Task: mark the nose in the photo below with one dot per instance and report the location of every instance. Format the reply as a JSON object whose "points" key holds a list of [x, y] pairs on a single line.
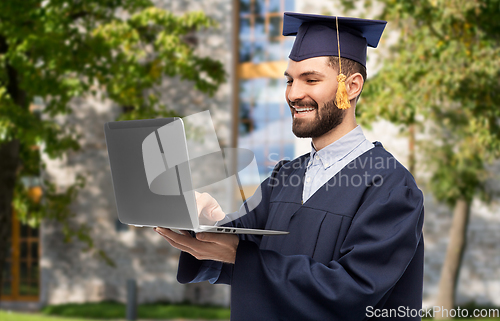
{"points": [[295, 92]]}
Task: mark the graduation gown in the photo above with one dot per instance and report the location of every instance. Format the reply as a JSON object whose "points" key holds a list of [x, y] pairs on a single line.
{"points": [[355, 246]]}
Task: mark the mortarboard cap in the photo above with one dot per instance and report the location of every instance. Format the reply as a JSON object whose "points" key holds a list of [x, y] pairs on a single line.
{"points": [[317, 36]]}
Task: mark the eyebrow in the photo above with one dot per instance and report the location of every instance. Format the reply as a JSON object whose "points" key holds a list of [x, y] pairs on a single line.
{"points": [[307, 73]]}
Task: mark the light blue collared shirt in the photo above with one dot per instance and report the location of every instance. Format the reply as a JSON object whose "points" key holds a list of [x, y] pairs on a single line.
{"points": [[327, 162]]}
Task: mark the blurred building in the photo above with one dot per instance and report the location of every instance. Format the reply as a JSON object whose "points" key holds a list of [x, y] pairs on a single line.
{"points": [[249, 111]]}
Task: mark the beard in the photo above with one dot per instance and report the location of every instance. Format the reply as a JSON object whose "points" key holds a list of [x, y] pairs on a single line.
{"points": [[327, 118]]}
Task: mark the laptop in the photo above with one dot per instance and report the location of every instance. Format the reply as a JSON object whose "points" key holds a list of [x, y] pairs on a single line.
{"points": [[151, 176]]}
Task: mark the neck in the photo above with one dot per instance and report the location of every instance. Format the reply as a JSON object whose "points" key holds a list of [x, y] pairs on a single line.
{"points": [[335, 134]]}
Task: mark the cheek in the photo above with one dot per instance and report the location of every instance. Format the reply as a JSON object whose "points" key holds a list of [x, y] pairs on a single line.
{"points": [[321, 98], [326, 93]]}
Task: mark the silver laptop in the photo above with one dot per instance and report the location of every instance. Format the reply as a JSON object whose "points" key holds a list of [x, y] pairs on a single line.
{"points": [[151, 175]]}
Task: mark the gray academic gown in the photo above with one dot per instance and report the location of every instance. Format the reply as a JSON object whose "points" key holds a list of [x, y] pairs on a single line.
{"points": [[355, 247]]}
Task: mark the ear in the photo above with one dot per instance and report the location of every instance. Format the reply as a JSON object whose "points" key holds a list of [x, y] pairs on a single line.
{"points": [[354, 86]]}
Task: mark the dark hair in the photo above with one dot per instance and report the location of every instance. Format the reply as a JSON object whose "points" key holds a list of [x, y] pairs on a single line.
{"points": [[349, 67]]}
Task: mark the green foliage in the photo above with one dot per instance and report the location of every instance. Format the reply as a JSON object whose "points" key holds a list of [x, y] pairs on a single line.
{"points": [[442, 76], [54, 51]]}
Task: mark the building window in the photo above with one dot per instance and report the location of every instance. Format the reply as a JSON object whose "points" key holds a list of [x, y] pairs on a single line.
{"points": [[260, 30], [264, 124], [21, 272]]}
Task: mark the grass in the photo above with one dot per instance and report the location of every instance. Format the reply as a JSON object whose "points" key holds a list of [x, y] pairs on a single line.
{"points": [[113, 310], [14, 316]]}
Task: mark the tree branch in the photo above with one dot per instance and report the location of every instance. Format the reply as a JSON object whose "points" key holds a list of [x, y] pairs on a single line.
{"points": [[4, 47], [17, 95]]}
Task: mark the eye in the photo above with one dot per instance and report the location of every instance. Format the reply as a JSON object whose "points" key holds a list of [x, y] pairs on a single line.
{"points": [[289, 81], [312, 80]]}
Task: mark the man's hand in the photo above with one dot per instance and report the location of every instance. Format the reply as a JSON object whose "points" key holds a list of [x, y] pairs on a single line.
{"points": [[206, 246], [209, 211]]}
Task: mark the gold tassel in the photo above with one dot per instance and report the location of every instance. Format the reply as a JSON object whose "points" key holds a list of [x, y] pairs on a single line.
{"points": [[341, 96]]}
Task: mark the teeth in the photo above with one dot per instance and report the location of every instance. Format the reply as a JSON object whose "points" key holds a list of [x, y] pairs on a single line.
{"points": [[304, 109]]}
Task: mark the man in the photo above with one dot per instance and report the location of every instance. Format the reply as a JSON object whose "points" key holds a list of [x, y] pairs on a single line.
{"points": [[355, 248]]}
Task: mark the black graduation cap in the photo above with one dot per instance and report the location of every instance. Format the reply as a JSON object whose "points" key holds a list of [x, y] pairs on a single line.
{"points": [[317, 36]]}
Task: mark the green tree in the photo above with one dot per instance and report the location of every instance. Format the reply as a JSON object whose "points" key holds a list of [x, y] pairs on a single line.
{"points": [[441, 78], [60, 49]]}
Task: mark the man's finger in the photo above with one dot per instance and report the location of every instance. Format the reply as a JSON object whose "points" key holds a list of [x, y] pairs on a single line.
{"points": [[180, 246], [187, 241], [203, 202], [208, 207], [183, 238], [217, 214], [218, 238], [209, 237], [200, 253]]}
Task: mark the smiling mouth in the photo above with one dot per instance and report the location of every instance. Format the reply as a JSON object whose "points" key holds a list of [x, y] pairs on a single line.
{"points": [[303, 110]]}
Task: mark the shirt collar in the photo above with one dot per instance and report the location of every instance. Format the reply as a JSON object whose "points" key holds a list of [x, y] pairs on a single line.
{"points": [[337, 150]]}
